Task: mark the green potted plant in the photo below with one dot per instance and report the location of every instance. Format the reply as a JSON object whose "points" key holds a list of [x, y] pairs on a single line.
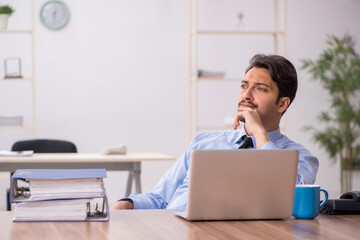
{"points": [[5, 13], [338, 71]]}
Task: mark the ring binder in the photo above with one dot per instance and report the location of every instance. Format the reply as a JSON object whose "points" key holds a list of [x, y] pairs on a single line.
{"points": [[59, 195], [98, 213]]}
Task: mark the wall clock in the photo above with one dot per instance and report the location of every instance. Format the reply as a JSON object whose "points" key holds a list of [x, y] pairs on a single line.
{"points": [[54, 14]]}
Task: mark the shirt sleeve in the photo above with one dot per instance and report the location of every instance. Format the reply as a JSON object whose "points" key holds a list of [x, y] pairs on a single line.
{"points": [[308, 164], [171, 184], [161, 194]]}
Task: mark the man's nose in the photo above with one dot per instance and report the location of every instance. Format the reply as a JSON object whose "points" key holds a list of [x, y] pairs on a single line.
{"points": [[247, 94]]}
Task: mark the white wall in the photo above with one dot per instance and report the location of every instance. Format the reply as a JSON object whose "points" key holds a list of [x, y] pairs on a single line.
{"points": [[117, 74], [308, 23]]}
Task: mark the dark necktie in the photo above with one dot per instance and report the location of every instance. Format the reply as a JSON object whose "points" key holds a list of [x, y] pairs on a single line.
{"points": [[246, 143]]}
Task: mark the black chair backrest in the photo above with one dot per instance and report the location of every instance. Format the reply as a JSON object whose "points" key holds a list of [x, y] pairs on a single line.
{"points": [[45, 146]]}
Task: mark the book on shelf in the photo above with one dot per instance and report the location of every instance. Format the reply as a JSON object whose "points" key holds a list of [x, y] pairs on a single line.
{"points": [[59, 195], [11, 121], [210, 74]]}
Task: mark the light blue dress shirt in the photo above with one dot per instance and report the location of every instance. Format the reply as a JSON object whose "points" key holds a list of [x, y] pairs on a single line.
{"points": [[172, 190]]}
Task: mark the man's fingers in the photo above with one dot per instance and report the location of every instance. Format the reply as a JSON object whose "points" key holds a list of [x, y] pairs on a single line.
{"points": [[235, 125], [238, 117]]}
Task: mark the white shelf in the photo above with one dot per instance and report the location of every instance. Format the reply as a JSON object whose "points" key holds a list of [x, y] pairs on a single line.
{"points": [[10, 31], [16, 79], [219, 79], [16, 128], [213, 127], [236, 32]]}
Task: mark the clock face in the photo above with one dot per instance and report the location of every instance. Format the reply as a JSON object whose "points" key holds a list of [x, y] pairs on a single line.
{"points": [[54, 14]]}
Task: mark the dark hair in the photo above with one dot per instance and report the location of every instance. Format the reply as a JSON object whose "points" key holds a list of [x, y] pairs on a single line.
{"points": [[281, 71]]}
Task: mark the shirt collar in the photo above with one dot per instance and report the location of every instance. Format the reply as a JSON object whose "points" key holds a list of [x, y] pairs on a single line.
{"points": [[273, 135]]}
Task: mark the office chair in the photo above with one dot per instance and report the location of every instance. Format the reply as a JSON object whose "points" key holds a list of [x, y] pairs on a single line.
{"points": [[45, 146], [41, 146]]}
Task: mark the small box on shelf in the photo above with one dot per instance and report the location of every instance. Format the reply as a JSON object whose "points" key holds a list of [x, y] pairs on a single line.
{"points": [[12, 68]]}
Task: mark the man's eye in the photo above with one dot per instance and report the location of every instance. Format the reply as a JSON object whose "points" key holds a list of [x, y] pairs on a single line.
{"points": [[243, 86], [261, 89]]}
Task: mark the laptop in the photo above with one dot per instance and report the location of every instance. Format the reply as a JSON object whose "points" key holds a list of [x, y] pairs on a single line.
{"points": [[241, 184]]}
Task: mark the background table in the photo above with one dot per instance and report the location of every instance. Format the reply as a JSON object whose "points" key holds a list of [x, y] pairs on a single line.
{"points": [[163, 224], [126, 162]]}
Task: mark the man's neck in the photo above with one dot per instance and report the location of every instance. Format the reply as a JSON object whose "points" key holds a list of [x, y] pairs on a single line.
{"points": [[270, 126]]}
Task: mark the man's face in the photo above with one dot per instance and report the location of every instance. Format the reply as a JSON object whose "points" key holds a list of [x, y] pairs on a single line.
{"points": [[259, 92]]}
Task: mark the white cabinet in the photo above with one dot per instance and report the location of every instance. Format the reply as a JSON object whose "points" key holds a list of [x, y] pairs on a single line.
{"points": [[228, 43]]}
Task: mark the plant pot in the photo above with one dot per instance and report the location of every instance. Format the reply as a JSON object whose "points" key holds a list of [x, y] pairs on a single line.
{"points": [[3, 21]]}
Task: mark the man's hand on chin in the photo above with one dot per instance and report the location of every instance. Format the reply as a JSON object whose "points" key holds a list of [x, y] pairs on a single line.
{"points": [[121, 205], [250, 117], [253, 125]]}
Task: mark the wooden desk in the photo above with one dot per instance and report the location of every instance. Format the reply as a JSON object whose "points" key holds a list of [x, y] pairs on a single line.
{"points": [[128, 162], [162, 224]]}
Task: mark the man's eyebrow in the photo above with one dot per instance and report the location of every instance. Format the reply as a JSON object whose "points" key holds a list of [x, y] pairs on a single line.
{"points": [[262, 84], [256, 83]]}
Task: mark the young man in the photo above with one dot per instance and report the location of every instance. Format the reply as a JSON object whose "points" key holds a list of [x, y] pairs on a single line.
{"points": [[267, 90]]}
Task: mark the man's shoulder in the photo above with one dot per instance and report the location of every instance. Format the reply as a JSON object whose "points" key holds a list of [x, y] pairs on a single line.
{"points": [[225, 135], [211, 134], [286, 143]]}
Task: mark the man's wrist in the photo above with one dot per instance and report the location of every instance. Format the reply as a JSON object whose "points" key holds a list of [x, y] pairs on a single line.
{"points": [[126, 199], [261, 138], [125, 203]]}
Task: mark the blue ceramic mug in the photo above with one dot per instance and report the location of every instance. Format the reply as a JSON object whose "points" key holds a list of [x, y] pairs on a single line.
{"points": [[307, 201]]}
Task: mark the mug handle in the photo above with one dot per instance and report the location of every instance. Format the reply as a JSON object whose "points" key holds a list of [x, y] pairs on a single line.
{"points": [[326, 198]]}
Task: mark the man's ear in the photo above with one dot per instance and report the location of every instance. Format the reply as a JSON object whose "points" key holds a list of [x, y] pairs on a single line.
{"points": [[283, 104]]}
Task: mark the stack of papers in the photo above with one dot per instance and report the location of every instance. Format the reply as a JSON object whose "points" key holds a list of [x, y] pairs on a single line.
{"points": [[16, 153], [59, 195], [43, 189]]}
